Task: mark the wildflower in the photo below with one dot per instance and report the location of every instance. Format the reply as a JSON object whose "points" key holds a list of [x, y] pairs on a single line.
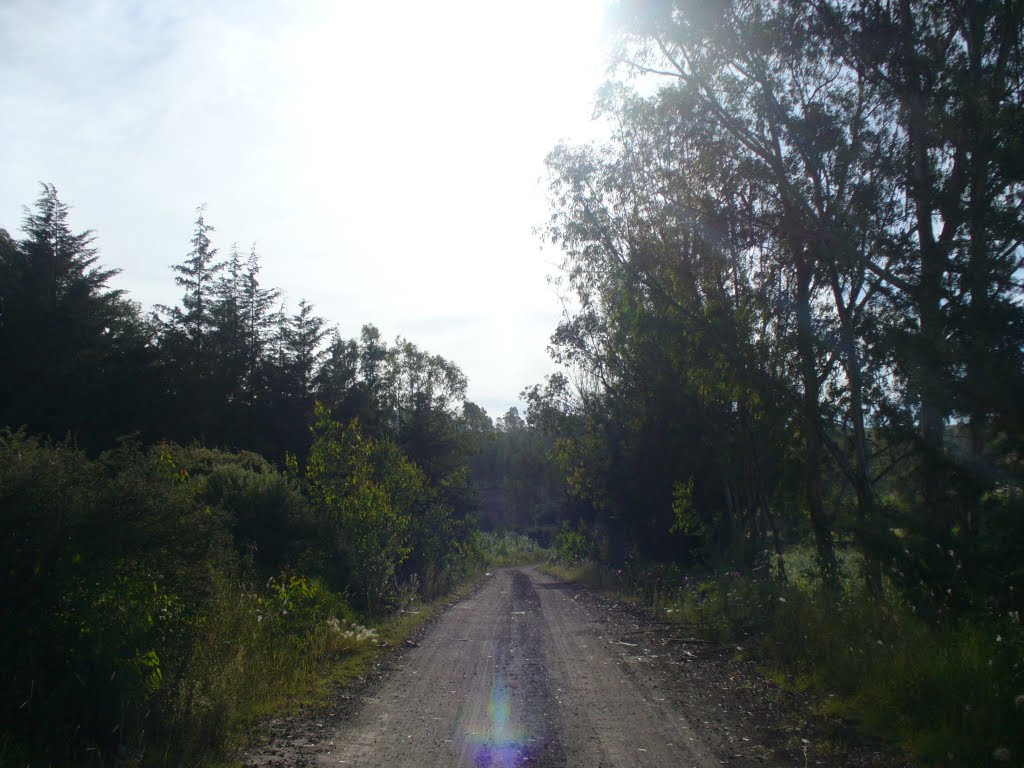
{"points": [[1018, 701], [782, 599], [999, 638], [1001, 755]]}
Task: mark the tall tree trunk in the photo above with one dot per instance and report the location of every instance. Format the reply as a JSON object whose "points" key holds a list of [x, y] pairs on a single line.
{"points": [[929, 288], [866, 510], [821, 523], [979, 266]]}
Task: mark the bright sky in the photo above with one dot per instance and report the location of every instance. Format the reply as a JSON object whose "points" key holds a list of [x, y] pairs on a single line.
{"points": [[386, 157]]}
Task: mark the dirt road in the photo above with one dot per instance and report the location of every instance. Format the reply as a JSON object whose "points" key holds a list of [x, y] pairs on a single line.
{"points": [[531, 671]]}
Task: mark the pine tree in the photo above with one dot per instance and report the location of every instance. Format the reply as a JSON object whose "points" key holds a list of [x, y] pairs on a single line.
{"points": [[68, 341], [303, 334], [197, 275]]}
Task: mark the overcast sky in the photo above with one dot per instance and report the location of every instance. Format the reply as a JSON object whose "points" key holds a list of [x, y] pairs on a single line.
{"points": [[386, 157]]}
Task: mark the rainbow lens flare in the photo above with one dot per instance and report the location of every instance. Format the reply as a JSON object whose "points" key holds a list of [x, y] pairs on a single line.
{"points": [[498, 743]]}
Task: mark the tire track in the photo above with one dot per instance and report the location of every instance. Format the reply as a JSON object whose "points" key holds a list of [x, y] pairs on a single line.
{"points": [[521, 673]]}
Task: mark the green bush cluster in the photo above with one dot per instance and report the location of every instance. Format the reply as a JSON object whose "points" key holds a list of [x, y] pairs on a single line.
{"points": [[379, 508], [159, 599], [571, 545]]}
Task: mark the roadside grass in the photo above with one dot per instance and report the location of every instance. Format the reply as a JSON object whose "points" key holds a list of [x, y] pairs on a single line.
{"points": [[949, 692], [587, 574]]}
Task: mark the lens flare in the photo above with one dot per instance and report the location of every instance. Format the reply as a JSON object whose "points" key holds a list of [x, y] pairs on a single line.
{"points": [[496, 743]]}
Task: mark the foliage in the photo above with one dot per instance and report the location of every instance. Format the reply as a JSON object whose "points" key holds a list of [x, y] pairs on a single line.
{"points": [[507, 548], [155, 596], [571, 546], [361, 510], [66, 338], [771, 298], [108, 568]]}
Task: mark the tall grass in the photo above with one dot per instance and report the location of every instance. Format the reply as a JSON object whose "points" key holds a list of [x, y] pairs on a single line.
{"points": [[271, 654], [255, 653]]}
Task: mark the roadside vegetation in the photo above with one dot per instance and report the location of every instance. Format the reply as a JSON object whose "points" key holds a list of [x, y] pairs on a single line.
{"points": [[167, 598], [787, 411], [944, 689]]}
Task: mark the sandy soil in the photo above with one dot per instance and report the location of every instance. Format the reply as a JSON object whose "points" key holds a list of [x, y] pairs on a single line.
{"points": [[531, 671]]}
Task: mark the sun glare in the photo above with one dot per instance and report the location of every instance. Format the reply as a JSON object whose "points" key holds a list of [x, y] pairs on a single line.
{"points": [[445, 110]]}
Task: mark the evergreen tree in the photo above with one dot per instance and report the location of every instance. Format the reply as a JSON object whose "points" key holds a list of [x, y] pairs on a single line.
{"points": [[260, 320], [302, 335], [193, 320], [74, 351]]}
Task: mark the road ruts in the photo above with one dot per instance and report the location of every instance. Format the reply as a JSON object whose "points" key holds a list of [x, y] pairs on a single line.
{"points": [[519, 674]]}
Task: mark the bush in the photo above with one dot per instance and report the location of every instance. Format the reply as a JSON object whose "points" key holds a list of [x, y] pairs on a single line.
{"points": [[159, 600], [571, 545], [106, 569], [255, 648]]}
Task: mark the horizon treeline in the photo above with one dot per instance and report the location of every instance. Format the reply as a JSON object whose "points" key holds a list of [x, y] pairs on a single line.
{"points": [[228, 365]]}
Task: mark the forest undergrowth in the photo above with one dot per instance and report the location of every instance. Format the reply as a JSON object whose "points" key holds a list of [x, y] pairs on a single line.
{"points": [[170, 599], [948, 691]]}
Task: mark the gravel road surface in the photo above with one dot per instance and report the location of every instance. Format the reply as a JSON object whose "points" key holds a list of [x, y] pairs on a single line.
{"points": [[529, 671]]}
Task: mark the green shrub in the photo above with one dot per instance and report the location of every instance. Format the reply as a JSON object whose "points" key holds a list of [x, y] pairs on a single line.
{"points": [[255, 649], [106, 569], [159, 601], [571, 545]]}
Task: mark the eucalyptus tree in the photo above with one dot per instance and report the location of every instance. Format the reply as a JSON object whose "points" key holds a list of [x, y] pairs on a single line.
{"points": [[948, 79], [674, 230], [790, 167]]}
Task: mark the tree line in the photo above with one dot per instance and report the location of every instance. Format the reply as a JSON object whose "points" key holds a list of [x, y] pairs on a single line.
{"points": [[794, 274], [201, 506], [229, 364]]}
